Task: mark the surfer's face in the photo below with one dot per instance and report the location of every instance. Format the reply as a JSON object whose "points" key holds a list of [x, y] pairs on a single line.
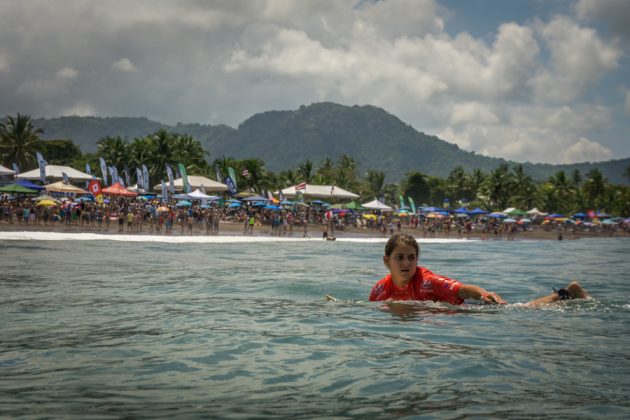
{"points": [[402, 263]]}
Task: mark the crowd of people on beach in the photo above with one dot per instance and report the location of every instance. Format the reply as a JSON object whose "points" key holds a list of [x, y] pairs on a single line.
{"points": [[135, 215]]}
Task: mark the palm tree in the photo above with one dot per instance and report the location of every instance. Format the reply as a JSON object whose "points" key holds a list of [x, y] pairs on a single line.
{"points": [[305, 171], [416, 186], [161, 150], [498, 186], [375, 183], [18, 140], [326, 172], [114, 150], [524, 188], [594, 187], [457, 184], [256, 179], [189, 151], [475, 183]]}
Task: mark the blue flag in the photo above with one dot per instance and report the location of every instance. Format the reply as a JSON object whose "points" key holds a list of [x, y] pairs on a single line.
{"points": [[169, 172], [164, 193], [145, 177]]}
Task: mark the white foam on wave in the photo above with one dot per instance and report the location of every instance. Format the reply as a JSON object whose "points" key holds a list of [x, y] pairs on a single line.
{"points": [[64, 236]]}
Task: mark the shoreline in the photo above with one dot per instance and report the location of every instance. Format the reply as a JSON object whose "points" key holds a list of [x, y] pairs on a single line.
{"points": [[314, 232]]}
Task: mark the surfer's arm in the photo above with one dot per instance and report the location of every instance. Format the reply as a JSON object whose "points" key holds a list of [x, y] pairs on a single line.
{"points": [[470, 291]]}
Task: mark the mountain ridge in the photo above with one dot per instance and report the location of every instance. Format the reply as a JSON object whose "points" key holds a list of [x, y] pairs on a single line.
{"points": [[375, 138]]}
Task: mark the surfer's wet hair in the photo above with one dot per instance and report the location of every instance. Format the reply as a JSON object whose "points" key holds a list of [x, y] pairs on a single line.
{"points": [[401, 239]]}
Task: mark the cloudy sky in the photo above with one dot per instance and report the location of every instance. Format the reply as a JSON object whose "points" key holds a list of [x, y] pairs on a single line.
{"points": [[528, 80]]}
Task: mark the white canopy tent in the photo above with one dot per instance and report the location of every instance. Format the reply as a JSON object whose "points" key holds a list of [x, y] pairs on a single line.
{"points": [[196, 182], [320, 191], [198, 195], [56, 172], [536, 212], [376, 205], [6, 171]]}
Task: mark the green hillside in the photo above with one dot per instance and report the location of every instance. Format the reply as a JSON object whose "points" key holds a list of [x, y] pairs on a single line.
{"points": [[283, 139]]}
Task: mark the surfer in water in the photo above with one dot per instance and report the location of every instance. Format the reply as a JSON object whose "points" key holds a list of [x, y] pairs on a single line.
{"points": [[409, 281]]}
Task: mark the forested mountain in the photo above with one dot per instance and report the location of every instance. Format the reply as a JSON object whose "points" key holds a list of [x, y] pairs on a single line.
{"points": [[283, 139]]}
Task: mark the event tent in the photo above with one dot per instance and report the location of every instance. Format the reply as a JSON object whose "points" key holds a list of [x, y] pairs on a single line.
{"points": [[60, 187], [118, 189], [56, 172], [536, 212], [6, 171], [320, 191], [376, 205], [28, 184], [198, 195], [17, 189], [196, 182]]}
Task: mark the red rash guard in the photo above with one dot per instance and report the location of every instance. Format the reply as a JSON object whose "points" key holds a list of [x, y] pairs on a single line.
{"points": [[425, 285]]}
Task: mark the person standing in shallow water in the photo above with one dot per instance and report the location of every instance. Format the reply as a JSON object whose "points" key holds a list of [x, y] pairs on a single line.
{"points": [[408, 281]]}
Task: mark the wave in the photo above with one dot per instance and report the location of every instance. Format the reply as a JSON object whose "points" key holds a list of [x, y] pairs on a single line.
{"points": [[64, 236]]}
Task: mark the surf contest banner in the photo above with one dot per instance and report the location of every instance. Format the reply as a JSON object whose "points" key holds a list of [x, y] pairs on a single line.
{"points": [[66, 180], [16, 168], [412, 204], [127, 176], [230, 184], [218, 173], [171, 183], [94, 187], [402, 201], [182, 170], [145, 178], [233, 176], [103, 170], [164, 193], [139, 178], [42, 166]]}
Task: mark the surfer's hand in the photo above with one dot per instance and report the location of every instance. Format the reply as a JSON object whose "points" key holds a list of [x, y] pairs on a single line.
{"points": [[491, 297]]}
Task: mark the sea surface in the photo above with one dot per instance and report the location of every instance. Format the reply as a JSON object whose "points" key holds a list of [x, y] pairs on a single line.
{"points": [[231, 327]]}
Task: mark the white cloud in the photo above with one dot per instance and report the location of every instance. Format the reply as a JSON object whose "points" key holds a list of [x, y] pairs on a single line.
{"points": [[472, 112], [124, 65], [79, 109], [66, 73], [586, 150], [578, 59]]}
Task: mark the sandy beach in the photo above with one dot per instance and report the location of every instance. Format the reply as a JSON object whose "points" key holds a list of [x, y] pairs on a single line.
{"points": [[313, 231]]}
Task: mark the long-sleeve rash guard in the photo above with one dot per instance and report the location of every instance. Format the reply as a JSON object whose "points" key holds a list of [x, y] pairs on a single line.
{"points": [[425, 285]]}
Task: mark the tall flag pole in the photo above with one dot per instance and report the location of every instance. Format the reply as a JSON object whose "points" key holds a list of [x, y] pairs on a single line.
{"points": [[103, 170]]}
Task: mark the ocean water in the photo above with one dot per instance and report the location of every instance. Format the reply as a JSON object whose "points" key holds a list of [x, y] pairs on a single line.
{"points": [[238, 328]]}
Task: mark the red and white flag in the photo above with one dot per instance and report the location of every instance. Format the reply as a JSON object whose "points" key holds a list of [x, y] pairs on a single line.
{"points": [[301, 186], [245, 173]]}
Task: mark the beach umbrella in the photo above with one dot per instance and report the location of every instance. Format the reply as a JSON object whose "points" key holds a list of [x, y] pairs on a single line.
{"points": [[46, 203], [233, 200], [517, 212], [431, 209], [461, 210], [524, 220], [44, 197], [271, 207], [256, 198], [234, 205], [287, 203], [184, 203], [579, 215], [477, 211], [163, 208], [509, 220], [608, 222], [497, 215]]}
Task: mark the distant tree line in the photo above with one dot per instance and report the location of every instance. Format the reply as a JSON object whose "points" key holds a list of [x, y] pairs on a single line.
{"points": [[505, 186]]}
